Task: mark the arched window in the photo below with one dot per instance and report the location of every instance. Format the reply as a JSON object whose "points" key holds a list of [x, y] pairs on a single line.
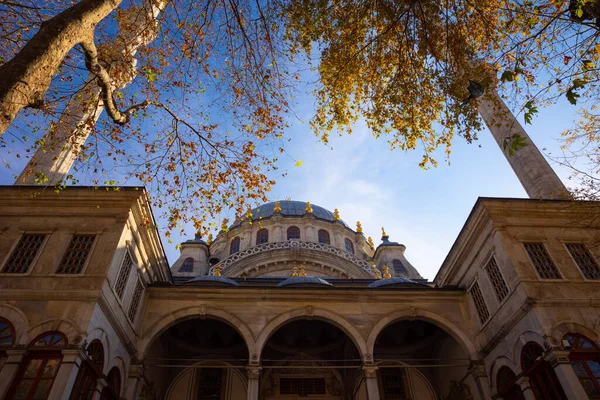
{"points": [[89, 372], [293, 232], [187, 265], [235, 245], [506, 382], [324, 236], [112, 391], [7, 333], [543, 379], [349, 246], [262, 236], [398, 267], [585, 359], [39, 368]]}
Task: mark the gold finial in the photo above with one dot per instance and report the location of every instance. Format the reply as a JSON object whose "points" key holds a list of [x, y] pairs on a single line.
{"points": [[249, 214], [308, 208], [370, 241], [217, 271], [210, 238], [358, 227], [377, 274], [386, 273], [336, 215], [277, 208], [224, 224], [294, 272], [302, 271], [383, 232]]}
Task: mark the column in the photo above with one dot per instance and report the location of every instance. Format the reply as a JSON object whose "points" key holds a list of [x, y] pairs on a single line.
{"points": [[67, 373], [370, 372], [253, 372], [523, 382], [477, 371], [565, 374], [134, 381], [100, 385], [10, 369]]}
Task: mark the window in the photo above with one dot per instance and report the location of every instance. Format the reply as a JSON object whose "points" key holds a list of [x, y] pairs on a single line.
{"points": [[541, 261], [585, 360], [349, 246], [209, 383], [302, 386], [585, 261], [89, 372], [324, 236], [506, 382], [187, 265], [123, 275], [38, 370], [112, 391], [135, 300], [262, 236], [293, 232], [398, 267], [392, 383], [7, 333], [480, 306], [77, 253], [24, 253], [543, 379], [235, 245], [500, 287]]}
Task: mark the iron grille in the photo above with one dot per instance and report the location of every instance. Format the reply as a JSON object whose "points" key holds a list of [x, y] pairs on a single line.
{"points": [[209, 383], [500, 287], [135, 300], [302, 386], [585, 261], [23, 255], [123, 275], [76, 255], [482, 310], [392, 383], [542, 261]]}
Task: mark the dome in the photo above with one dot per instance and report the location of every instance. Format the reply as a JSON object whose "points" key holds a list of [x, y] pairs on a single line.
{"points": [[291, 208], [303, 280]]}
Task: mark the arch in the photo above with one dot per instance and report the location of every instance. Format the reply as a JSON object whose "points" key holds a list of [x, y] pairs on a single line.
{"points": [[560, 329], [293, 232], [506, 384], [522, 339], [314, 313], [19, 321], [7, 333], [118, 363], [50, 339], [398, 267], [96, 354], [323, 236], [69, 328], [115, 383], [262, 236], [234, 247], [236, 371], [349, 246], [187, 265], [498, 364], [414, 313], [169, 319]]}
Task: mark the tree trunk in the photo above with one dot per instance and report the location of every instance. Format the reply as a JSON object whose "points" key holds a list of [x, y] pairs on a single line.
{"points": [[27, 76]]}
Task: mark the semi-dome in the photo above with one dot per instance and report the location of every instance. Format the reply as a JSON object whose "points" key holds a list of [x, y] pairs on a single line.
{"points": [[292, 208]]}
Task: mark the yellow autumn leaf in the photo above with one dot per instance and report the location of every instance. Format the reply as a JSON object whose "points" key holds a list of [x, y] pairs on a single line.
{"points": [[299, 163]]}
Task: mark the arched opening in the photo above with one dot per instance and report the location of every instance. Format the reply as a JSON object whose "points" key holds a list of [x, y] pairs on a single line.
{"points": [[349, 246], [508, 388], [293, 232], [187, 265], [234, 247], [543, 379], [200, 359], [399, 269], [38, 370], [310, 358], [112, 391], [324, 236], [417, 359], [262, 236], [585, 359], [89, 372], [7, 339]]}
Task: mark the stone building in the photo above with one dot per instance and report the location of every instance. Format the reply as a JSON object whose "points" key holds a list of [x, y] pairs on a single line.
{"points": [[292, 303]]}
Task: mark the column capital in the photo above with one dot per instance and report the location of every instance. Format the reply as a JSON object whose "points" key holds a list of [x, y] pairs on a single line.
{"points": [[253, 371], [72, 355], [477, 369], [15, 355], [556, 357], [523, 382], [136, 370], [370, 370]]}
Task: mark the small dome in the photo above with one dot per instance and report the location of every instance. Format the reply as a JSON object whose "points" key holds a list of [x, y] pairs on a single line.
{"points": [[211, 279], [394, 281], [291, 208], [385, 241], [196, 240], [303, 280]]}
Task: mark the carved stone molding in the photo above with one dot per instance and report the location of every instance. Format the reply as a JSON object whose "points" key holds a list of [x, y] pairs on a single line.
{"points": [[370, 371], [253, 371]]}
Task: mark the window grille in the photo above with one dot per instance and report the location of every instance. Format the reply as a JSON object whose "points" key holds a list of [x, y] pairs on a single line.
{"points": [[123, 275], [541, 261], [398, 267], [187, 265], [293, 232], [77, 253], [482, 310], [324, 236], [135, 300], [262, 236], [500, 287], [392, 384], [586, 263], [23, 255], [209, 383], [302, 386], [235, 245], [349, 246]]}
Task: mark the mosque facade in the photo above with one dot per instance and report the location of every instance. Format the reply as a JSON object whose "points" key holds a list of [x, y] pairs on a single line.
{"points": [[290, 302]]}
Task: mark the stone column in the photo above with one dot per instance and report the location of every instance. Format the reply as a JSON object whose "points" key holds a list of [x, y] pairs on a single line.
{"points": [[371, 382], [253, 372], [134, 381], [10, 369], [565, 374], [100, 385], [523, 382], [477, 371], [67, 373]]}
